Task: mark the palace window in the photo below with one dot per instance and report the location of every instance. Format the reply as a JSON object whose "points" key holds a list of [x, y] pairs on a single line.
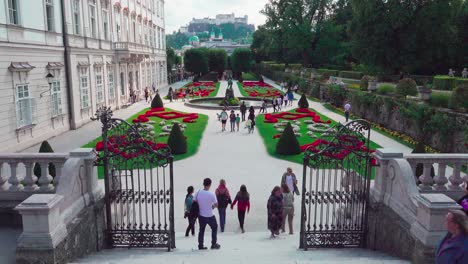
{"points": [[50, 15], [92, 17], [25, 106], [99, 86], [76, 16], [56, 98], [13, 11], [110, 80], [84, 89], [105, 24]]}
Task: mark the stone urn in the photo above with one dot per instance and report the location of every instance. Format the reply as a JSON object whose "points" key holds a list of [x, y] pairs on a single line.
{"points": [[425, 93], [372, 85]]}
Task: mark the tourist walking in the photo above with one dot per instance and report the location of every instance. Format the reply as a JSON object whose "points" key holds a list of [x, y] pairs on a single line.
{"points": [[190, 217], [207, 201], [170, 94], [280, 102], [242, 200], [146, 94], [289, 179], [275, 211], [275, 104], [251, 111], [285, 99], [238, 119], [290, 97], [243, 110], [252, 123], [263, 109], [232, 120], [248, 125], [288, 209], [347, 108], [223, 117], [224, 199], [453, 249]]}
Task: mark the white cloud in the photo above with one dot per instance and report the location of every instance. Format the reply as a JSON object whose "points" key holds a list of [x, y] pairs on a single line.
{"points": [[180, 12]]}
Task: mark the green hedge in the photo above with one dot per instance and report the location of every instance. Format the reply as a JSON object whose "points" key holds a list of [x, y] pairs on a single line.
{"points": [[295, 66], [386, 89], [328, 71], [351, 75], [440, 99], [277, 67], [444, 82], [249, 76]]}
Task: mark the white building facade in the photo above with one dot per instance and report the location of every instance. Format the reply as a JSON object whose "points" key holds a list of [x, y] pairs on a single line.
{"points": [[107, 49]]}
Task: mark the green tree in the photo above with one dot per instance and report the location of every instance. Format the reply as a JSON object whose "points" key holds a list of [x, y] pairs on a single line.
{"points": [[261, 44], [157, 102], [217, 60], [287, 143], [303, 103], [241, 60], [171, 58], [196, 60], [177, 141], [45, 148], [176, 40]]}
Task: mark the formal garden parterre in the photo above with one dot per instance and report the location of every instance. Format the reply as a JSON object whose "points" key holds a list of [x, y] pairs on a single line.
{"points": [[258, 89]]}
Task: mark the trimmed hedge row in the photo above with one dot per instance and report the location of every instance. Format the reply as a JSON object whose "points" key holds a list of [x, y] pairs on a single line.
{"points": [[328, 71], [351, 75], [444, 82]]}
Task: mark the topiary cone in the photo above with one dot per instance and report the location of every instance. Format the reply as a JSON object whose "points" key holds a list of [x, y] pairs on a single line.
{"points": [[303, 103], [177, 141], [45, 148], [288, 144], [157, 102]]}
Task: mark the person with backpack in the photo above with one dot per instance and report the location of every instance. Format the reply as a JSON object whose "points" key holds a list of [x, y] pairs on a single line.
{"points": [[224, 199], [190, 217], [224, 117], [232, 120], [243, 205], [205, 201], [243, 110], [289, 178]]}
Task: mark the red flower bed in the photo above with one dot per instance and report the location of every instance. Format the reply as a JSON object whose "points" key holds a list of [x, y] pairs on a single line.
{"points": [[254, 84], [117, 144], [202, 89], [276, 136], [300, 113], [251, 88], [159, 112]]}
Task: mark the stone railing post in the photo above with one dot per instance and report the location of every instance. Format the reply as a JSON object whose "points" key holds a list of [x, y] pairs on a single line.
{"points": [[441, 179], [426, 179], [43, 227], [4, 185], [383, 156], [432, 209], [14, 180], [455, 179]]}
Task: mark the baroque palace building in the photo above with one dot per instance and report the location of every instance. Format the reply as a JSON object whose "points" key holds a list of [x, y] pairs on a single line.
{"points": [[62, 59]]}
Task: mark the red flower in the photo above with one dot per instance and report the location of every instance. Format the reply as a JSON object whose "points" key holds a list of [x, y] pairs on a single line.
{"points": [[100, 146]]}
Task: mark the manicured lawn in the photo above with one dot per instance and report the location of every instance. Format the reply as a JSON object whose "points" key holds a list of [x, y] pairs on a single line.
{"points": [[267, 131], [193, 132], [261, 90]]}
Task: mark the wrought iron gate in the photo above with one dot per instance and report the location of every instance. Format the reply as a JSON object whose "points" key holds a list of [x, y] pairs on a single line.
{"points": [[335, 190], [138, 178]]}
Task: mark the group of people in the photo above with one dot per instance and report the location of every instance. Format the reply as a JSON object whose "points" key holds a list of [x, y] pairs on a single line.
{"points": [[236, 119], [201, 205]]}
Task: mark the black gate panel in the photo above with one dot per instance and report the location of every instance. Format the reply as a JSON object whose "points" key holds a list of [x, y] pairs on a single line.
{"points": [[335, 191], [138, 177]]}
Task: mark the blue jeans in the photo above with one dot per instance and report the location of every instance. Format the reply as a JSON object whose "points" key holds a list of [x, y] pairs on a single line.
{"points": [[211, 221], [222, 218]]}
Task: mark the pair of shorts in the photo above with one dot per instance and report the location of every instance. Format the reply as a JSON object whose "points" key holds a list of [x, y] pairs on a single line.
{"points": [[223, 121]]}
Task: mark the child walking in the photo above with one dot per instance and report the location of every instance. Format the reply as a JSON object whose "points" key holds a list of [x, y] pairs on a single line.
{"points": [[238, 119], [243, 205]]}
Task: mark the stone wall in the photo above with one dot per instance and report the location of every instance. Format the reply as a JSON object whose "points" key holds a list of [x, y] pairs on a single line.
{"points": [[85, 234], [391, 234]]}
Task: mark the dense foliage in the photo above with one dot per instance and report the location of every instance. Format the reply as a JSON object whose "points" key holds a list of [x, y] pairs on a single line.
{"points": [[287, 143], [177, 141], [372, 37], [241, 60], [303, 103], [196, 60], [217, 60], [172, 59], [157, 102], [406, 86]]}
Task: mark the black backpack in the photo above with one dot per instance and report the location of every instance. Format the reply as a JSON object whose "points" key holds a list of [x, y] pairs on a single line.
{"points": [[223, 200], [195, 208]]}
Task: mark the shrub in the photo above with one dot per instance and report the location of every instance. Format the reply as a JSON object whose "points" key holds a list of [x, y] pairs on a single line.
{"points": [[459, 97], [386, 89], [157, 102], [277, 67], [45, 148], [177, 141], [354, 86], [295, 66], [351, 75], [328, 71], [303, 102], [336, 94], [288, 144], [364, 82], [406, 86], [440, 99], [444, 82], [248, 76]]}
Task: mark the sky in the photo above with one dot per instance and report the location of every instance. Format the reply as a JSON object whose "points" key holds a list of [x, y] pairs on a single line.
{"points": [[180, 12]]}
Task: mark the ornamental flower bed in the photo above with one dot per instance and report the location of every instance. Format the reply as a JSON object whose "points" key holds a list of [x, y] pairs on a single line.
{"points": [[300, 113], [159, 112], [259, 89], [200, 89], [118, 145]]}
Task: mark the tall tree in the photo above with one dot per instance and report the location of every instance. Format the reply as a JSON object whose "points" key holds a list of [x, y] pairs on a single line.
{"points": [[217, 60], [241, 60], [196, 60]]}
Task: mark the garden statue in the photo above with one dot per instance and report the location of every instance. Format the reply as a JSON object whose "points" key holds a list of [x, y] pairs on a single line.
{"points": [[451, 73], [230, 84], [229, 94], [465, 73]]}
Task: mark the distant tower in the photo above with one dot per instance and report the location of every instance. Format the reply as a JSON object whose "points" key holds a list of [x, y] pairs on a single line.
{"points": [[212, 35], [220, 34]]}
